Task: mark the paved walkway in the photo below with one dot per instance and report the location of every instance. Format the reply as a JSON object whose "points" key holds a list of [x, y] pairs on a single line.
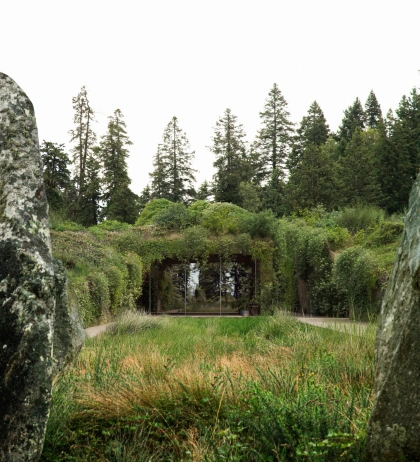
{"points": [[341, 324], [94, 331]]}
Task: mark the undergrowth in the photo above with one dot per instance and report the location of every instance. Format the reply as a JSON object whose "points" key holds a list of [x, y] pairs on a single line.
{"points": [[248, 389]]}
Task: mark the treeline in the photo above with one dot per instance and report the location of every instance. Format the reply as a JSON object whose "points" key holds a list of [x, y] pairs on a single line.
{"points": [[99, 188], [371, 159]]}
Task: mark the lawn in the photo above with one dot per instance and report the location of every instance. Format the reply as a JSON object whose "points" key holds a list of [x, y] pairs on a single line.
{"points": [[234, 389]]}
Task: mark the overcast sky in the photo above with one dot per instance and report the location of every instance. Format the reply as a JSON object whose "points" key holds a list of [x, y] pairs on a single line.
{"points": [[158, 58]]}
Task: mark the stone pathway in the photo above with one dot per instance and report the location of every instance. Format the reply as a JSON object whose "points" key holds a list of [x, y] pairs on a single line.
{"points": [[340, 324], [94, 331]]}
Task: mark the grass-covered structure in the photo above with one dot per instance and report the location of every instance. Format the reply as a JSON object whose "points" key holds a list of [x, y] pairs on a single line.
{"points": [[333, 263]]}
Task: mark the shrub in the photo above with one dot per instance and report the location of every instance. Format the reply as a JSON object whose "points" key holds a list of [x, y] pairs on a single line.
{"points": [[67, 226], [134, 266], [116, 287], [196, 210], [134, 322], [222, 217], [260, 225], [355, 273], [99, 294], [111, 225], [151, 210], [174, 217], [387, 233], [361, 217]]}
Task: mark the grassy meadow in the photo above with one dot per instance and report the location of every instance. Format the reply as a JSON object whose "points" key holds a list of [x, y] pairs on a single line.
{"points": [[242, 389]]}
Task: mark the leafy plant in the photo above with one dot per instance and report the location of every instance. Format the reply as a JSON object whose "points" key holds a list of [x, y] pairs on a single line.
{"points": [[362, 217], [152, 208]]}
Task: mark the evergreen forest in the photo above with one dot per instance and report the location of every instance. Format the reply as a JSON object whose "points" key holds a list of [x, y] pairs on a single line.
{"points": [[321, 211]]}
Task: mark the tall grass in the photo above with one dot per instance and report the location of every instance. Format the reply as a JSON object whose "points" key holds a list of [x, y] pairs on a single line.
{"points": [[250, 389], [361, 217]]}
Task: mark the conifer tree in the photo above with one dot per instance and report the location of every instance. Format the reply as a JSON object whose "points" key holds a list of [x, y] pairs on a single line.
{"points": [[120, 202], [87, 208], [313, 178], [354, 117], [394, 169], [231, 162], [173, 175], [160, 181], [313, 131], [358, 174], [273, 141], [145, 197], [56, 173], [408, 113], [204, 191], [273, 195], [83, 136], [373, 112]]}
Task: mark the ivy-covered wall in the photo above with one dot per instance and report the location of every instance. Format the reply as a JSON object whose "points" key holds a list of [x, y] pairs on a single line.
{"points": [[333, 263]]}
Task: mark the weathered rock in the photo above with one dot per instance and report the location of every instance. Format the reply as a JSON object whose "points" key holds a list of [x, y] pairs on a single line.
{"points": [[69, 335], [394, 427], [26, 282]]}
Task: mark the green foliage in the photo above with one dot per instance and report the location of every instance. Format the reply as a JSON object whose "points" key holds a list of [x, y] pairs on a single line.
{"points": [[196, 210], [173, 175], [56, 173], [99, 293], [387, 232], [66, 226], [259, 225], [274, 138], [116, 286], [135, 322], [215, 389], [104, 280], [222, 217], [174, 217], [111, 225], [232, 166], [250, 198], [361, 217], [152, 208], [355, 272]]}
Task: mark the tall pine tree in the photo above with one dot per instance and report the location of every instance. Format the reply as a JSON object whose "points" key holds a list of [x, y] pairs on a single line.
{"points": [[358, 169], [373, 112], [313, 131], [394, 169], [82, 136], [273, 141], [408, 114], [120, 202], [231, 162], [354, 117], [56, 173], [173, 175]]}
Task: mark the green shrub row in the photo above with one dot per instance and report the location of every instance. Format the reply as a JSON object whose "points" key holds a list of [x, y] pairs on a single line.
{"points": [[104, 280]]}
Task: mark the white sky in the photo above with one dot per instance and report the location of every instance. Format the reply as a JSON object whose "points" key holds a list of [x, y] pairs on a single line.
{"points": [[159, 58]]}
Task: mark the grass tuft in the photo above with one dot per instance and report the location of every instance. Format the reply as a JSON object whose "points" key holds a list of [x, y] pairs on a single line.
{"points": [[134, 322]]}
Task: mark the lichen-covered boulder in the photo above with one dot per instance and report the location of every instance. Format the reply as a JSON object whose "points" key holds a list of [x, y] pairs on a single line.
{"points": [[26, 282], [69, 335], [394, 427]]}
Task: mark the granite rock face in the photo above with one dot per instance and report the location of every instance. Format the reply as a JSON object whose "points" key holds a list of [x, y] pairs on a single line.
{"points": [[26, 282], [394, 427], [69, 335]]}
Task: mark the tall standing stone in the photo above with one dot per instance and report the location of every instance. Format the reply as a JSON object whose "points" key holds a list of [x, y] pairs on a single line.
{"points": [[394, 427], [26, 282]]}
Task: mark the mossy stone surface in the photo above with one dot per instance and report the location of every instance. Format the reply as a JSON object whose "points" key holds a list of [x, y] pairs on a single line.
{"points": [[26, 282], [394, 427]]}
